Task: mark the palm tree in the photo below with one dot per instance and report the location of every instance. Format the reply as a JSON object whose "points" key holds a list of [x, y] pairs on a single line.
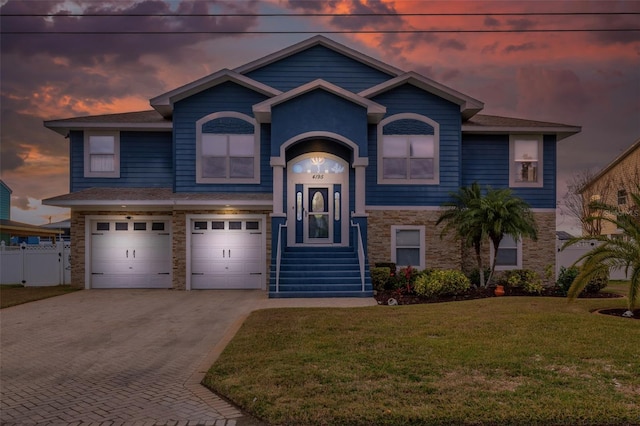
{"points": [[613, 252], [505, 214], [474, 218], [462, 218]]}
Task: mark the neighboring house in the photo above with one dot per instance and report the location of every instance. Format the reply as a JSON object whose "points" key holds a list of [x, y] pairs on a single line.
{"points": [[18, 232], [295, 173], [613, 184]]}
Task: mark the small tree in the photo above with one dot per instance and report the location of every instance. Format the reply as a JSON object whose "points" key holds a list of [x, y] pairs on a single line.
{"points": [[580, 194], [613, 252], [461, 217], [475, 217], [505, 214]]}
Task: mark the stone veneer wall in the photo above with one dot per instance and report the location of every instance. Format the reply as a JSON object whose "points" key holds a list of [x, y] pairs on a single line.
{"points": [[536, 255], [178, 241], [440, 253]]}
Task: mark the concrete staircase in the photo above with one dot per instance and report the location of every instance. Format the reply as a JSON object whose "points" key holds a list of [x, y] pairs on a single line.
{"points": [[319, 272]]}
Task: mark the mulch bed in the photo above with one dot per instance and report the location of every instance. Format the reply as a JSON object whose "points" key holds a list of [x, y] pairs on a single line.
{"points": [[402, 297]]}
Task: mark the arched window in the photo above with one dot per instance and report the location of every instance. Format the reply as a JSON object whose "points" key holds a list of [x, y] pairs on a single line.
{"points": [[227, 149], [408, 150]]}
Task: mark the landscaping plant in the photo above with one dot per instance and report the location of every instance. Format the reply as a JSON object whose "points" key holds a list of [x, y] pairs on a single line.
{"points": [[617, 252], [442, 283]]}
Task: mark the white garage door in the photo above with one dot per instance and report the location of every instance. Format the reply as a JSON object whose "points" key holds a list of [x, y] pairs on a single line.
{"points": [[130, 254], [227, 254]]}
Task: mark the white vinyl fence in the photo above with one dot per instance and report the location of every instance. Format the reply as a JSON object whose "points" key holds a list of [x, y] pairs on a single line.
{"points": [[572, 253], [35, 265]]}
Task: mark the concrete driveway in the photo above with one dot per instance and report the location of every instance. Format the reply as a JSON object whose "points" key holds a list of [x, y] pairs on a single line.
{"points": [[113, 357], [134, 357]]}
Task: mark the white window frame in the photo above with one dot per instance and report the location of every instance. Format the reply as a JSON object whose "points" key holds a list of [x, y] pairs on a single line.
{"points": [[513, 169], [256, 148], [115, 173], [436, 150], [394, 246], [518, 264]]}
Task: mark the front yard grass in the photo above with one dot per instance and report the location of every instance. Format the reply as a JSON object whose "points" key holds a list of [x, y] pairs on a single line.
{"points": [[510, 360], [11, 295]]}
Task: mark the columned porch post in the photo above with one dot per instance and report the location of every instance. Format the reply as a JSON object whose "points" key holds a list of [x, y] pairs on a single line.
{"points": [[278, 165], [360, 166]]}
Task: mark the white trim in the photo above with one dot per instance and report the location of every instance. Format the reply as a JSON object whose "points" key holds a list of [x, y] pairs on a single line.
{"points": [[422, 248], [164, 103], [322, 41], [399, 208], [375, 111], [189, 218], [468, 105], [562, 132], [357, 160], [436, 150], [161, 203], [539, 183], [116, 155], [64, 128], [518, 264], [256, 148]]}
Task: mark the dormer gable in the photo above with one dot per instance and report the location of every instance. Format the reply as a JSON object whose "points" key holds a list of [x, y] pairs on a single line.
{"points": [[375, 111], [468, 105], [319, 41], [164, 103]]}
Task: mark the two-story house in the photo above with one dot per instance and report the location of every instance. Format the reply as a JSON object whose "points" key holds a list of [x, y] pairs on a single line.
{"points": [[613, 184], [295, 173]]}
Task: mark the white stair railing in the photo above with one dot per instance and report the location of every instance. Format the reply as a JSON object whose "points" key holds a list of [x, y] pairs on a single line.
{"points": [[279, 255], [360, 252]]}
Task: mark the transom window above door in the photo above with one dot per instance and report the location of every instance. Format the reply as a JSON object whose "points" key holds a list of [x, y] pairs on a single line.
{"points": [[228, 149]]}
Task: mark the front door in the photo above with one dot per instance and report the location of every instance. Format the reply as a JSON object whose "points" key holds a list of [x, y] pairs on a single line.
{"points": [[318, 220], [318, 200]]}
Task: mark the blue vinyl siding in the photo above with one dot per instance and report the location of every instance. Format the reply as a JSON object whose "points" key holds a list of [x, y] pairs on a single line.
{"points": [[318, 110], [145, 161], [319, 62], [485, 159], [224, 97], [5, 202], [405, 99]]}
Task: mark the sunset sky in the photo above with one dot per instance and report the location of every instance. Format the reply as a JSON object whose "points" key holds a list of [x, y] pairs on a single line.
{"points": [[584, 78]]}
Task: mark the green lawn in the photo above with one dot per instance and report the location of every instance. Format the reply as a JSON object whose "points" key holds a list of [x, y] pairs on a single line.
{"points": [[511, 360], [11, 295]]}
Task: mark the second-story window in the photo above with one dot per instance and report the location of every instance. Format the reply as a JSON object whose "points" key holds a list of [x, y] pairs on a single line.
{"points": [[408, 150], [526, 161], [228, 150], [102, 154], [622, 197]]}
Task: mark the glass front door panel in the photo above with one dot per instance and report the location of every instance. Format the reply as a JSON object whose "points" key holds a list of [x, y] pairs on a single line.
{"points": [[318, 213]]}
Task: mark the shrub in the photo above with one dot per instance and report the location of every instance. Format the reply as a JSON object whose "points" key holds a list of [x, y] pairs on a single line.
{"points": [[524, 279], [405, 278], [474, 276], [390, 265], [380, 277], [441, 283], [567, 275]]}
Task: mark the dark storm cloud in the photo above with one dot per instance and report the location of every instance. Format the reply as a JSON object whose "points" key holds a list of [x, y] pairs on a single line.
{"points": [[91, 50], [491, 22], [452, 44], [519, 47], [491, 48], [521, 24]]}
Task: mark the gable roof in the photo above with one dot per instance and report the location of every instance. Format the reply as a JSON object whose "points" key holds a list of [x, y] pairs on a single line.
{"points": [[613, 163], [9, 190], [494, 124], [139, 120], [468, 105], [322, 41], [375, 111], [164, 103]]}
